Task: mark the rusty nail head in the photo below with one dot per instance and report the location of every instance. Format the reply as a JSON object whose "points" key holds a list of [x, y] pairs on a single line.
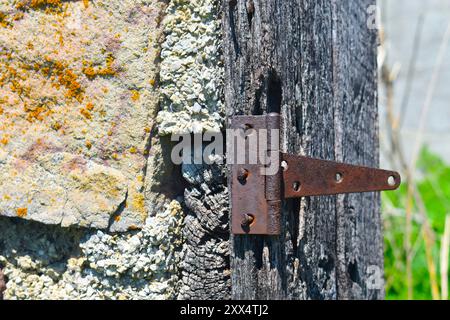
{"points": [[247, 219], [243, 175]]}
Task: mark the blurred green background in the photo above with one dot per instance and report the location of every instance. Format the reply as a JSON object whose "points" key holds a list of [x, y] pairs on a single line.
{"points": [[427, 264], [414, 99]]}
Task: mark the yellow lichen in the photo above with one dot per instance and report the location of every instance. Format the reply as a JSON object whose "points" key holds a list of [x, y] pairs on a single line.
{"points": [[88, 144], [135, 95], [56, 126], [4, 21], [86, 3], [138, 203], [133, 150], [48, 5], [17, 74], [86, 114]]}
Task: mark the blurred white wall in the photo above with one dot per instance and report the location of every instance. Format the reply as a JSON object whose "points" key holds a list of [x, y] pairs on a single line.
{"points": [[400, 19]]}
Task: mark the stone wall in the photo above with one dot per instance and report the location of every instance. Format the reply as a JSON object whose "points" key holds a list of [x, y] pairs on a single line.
{"points": [[90, 205]]}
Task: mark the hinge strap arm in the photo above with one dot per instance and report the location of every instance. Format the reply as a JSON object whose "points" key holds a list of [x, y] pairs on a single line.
{"points": [[303, 176]]}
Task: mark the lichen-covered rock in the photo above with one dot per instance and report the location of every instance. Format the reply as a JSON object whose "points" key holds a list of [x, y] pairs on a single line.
{"points": [[2, 284], [77, 105], [61, 188], [78, 148], [191, 68], [56, 263]]}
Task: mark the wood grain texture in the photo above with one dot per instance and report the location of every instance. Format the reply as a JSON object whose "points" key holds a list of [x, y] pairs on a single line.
{"points": [[314, 61], [205, 257]]}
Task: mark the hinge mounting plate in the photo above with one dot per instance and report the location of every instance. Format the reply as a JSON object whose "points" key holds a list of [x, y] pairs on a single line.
{"points": [[257, 194]]}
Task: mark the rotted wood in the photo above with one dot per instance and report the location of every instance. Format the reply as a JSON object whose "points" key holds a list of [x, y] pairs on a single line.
{"points": [[314, 62]]}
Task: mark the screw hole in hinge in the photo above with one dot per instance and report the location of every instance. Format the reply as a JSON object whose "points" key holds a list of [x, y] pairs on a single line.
{"points": [[338, 177], [242, 176], [247, 220], [391, 181], [247, 130], [296, 186]]}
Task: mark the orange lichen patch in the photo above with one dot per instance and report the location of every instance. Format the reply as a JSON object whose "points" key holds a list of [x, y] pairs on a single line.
{"points": [[147, 129], [4, 141], [152, 82], [36, 112], [86, 3], [90, 106], [38, 100], [22, 212], [86, 114], [69, 79], [92, 72], [135, 95], [88, 144], [49, 5], [117, 218]]}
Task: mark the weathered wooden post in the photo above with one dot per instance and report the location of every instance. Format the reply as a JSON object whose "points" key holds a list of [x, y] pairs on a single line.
{"points": [[314, 62]]}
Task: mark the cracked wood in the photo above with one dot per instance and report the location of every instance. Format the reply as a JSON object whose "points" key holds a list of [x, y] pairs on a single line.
{"points": [[315, 63]]}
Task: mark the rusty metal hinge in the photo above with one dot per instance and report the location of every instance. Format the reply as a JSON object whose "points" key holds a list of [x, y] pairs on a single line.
{"points": [[257, 190]]}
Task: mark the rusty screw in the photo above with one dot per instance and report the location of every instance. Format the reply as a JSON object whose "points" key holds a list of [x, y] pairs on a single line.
{"points": [[247, 219], [242, 175]]}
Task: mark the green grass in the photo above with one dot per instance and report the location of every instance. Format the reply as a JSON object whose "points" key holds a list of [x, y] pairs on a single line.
{"points": [[434, 186]]}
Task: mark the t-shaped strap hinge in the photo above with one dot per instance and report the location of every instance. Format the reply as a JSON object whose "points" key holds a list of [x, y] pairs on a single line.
{"points": [[257, 189]]}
